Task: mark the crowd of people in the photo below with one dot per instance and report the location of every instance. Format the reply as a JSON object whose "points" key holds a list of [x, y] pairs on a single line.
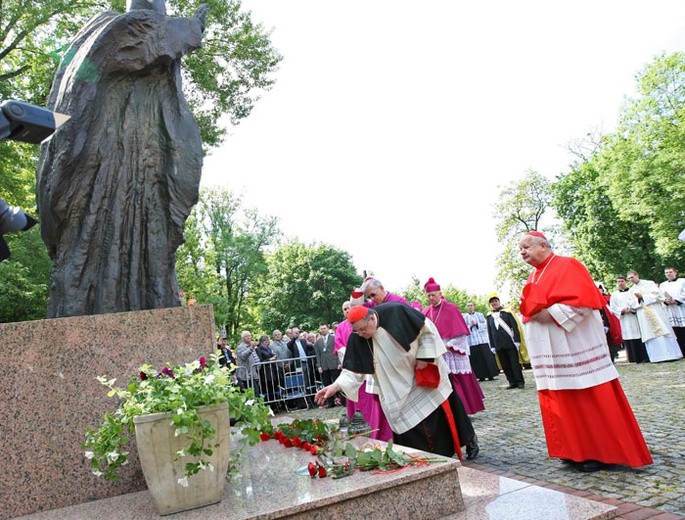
{"points": [[414, 373], [652, 316]]}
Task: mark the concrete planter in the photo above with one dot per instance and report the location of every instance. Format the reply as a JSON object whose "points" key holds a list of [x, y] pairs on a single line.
{"points": [[156, 447]]}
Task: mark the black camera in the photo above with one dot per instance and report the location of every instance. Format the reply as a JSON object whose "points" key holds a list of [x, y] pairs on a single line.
{"points": [[28, 123]]}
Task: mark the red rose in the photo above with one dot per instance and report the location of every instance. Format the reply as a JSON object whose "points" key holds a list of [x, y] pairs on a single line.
{"points": [[322, 472], [297, 441], [314, 450], [287, 443], [278, 435], [306, 446], [311, 467], [264, 436]]}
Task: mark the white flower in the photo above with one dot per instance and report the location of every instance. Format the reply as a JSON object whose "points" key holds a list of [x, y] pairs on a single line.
{"points": [[183, 481], [271, 412], [179, 411], [90, 454], [181, 453], [209, 379], [211, 467], [97, 473], [112, 456], [249, 402]]}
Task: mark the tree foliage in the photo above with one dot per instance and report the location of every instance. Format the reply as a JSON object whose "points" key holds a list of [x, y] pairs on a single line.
{"points": [[225, 77], [522, 206], [224, 256], [623, 204], [305, 285], [24, 278], [416, 292], [606, 243]]}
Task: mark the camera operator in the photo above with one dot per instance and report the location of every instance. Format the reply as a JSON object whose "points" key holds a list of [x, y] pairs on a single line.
{"points": [[12, 219]]}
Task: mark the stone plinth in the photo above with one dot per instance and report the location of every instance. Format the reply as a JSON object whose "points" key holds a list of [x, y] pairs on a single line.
{"points": [[268, 488], [49, 395]]}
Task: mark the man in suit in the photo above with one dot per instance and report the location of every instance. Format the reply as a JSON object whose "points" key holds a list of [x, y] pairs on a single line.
{"points": [[303, 356], [327, 362]]}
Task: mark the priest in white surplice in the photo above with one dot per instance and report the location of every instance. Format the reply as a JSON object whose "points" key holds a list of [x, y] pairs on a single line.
{"points": [[673, 291], [657, 334], [621, 305]]}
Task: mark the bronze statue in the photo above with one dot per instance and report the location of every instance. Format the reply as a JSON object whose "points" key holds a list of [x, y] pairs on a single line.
{"points": [[117, 183]]}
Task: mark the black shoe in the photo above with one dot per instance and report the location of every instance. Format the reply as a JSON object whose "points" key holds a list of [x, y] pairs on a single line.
{"points": [[521, 385], [590, 466], [511, 387], [472, 449], [491, 378]]}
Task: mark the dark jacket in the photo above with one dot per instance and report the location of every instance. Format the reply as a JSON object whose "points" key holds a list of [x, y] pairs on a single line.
{"points": [[499, 337], [295, 352]]}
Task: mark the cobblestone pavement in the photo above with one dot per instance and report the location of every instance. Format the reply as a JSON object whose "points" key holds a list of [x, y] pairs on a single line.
{"points": [[511, 437]]}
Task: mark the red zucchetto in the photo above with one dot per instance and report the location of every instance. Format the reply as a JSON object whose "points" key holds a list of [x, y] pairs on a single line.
{"points": [[536, 233], [357, 313]]}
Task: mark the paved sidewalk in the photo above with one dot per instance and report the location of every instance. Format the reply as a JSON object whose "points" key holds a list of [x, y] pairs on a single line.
{"points": [[513, 443]]}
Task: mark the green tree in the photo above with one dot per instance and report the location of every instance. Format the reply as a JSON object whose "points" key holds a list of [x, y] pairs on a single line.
{"points": [[522, 206], [225, 77], [622, 203], [606, 243], [305, 285], [646, 156], [416, 292], [24, 278], [224, 256]]}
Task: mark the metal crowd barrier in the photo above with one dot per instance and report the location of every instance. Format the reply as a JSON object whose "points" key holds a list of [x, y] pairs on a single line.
{"points": [[290, 383]]}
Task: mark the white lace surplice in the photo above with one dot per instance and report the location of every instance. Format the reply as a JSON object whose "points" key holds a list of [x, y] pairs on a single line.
{"points": [[457, 355]]}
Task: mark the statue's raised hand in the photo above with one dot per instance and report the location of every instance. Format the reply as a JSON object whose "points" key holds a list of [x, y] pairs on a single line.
{"points": [[201, 14]]}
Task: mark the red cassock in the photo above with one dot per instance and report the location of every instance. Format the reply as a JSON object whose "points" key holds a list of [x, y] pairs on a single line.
{"points": [[592, 423]]}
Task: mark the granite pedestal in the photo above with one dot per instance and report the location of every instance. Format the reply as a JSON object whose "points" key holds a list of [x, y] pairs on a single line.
{"points": [[49, 395], [269, 488]]}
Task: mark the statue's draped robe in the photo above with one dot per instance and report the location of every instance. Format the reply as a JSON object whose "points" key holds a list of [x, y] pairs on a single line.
{"points": [[118, 181]]}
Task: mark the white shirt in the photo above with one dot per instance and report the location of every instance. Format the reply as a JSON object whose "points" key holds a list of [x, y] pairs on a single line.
{"points": [[630, 327], [676, 290]]}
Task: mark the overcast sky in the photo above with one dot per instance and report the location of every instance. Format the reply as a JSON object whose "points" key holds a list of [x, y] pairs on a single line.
{"points": [[393, 125]]}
